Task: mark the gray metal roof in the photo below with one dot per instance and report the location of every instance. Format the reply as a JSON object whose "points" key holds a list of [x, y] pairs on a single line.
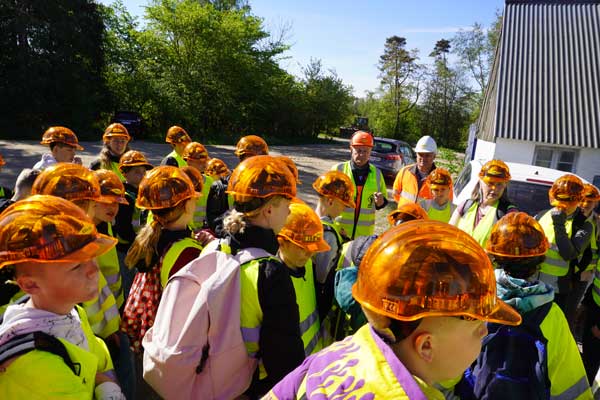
{"points": [[545, 82]]}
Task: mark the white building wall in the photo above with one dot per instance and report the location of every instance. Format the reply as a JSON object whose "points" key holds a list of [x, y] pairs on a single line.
{"points": [[588, 164], [514, 151]]}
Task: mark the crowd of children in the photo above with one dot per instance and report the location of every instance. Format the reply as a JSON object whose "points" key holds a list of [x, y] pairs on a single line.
{"points": [[475, 301]]}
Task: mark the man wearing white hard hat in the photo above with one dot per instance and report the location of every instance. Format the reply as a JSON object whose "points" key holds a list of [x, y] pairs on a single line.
{"points": [[410, 185]]}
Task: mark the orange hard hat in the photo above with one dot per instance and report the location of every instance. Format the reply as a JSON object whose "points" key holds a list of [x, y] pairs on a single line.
{"points": [[362, 138], [60, 134], [494, 171], [336, 185], [304, 228], [194, 150], [439, 178], [566, 191], [69, 181], [261, 177], [292, 167], [49, 229], [251, 145], [517, 235], [177, 134], [111, 186], [590, 193], [216, 166], [164, 187], [2, 162], [429, 269], [115, 130], [195, 176], [407, 212], [134, 158]]}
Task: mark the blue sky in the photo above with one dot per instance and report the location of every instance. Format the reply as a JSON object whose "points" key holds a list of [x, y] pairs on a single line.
{"points": [[349, 36]]}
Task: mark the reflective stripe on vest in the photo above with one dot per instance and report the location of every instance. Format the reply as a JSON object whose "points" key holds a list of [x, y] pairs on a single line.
{"points": [[180, 161], [114, 167], [200, 213], [345, 259], [109, 265], [594, 244], [306, 299], [171, 256], [102, 311], [365, 223], [554, 264], [406, 187], [437, 213], [482, 231]]}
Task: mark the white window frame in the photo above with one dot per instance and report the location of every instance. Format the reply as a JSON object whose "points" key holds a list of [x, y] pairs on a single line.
{"points": [[556, 151]]}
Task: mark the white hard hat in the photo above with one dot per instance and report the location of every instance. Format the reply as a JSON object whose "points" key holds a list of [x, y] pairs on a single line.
{"points": [[426, 145]]}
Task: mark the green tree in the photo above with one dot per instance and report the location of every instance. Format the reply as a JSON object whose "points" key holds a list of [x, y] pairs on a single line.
{"points": [[51, 66], [400, 77]]}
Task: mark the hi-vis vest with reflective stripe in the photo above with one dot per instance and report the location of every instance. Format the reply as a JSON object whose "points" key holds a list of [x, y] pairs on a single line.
{"points": [[39, 374], [365, 224], [594, 243], [173, 254], [180, 161], [200, 213], [437, 213], [406, 187], [114, 167], [102, 311], [482, 231], [554, 263], [252, 314], [109, 265]]}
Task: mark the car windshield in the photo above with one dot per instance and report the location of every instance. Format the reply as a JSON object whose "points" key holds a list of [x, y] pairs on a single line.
{"points": [[529, 197], [383, 147]]}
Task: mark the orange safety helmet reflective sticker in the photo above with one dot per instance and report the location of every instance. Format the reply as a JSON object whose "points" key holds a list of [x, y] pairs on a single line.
{"points": [[407, 212], [261, 177], [69, 181], [115, 130], [195, 151], [134, 158], [439, 178], [517, 235], [2, 162], [429, 269], [251, 145], [164, 187], [60, 134], [111, 186], [195, 176], [362, 138], [216, 166], [566, 191], [336, 185], [292, 167], [590, 193], [495, 171], [177, 134], [304, 228], [49, 229]]}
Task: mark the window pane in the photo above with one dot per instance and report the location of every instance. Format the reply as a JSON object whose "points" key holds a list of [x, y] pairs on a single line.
{"points": [[565, 161], [543, 158], [529, 197]]}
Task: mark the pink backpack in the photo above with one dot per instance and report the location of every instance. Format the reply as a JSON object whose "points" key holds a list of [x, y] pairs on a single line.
{"points": [[195, 348]]}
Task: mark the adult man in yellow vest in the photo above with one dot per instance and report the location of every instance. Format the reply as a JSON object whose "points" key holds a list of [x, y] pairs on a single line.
{"points": [[371, 192], [410, 185], [568, 233]]}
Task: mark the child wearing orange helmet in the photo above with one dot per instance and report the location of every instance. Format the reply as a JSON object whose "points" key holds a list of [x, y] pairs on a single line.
{"points": [[115, 141], [62, 143], [178, 138]]}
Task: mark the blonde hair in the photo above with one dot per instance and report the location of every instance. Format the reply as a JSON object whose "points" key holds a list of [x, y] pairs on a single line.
{"points": [[144, 245], [104, 157], [236, 221]]}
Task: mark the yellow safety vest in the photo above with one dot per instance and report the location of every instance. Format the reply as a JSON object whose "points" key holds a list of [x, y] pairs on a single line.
{"points": [[114, 167], [482, 231], [251, 313], [173, 254], [102, 312], [180, 161], [365, 224], [109, 265], [200, 213], [554, 264], [593, 244], [356, 367], [39, 374], [437, 213]]}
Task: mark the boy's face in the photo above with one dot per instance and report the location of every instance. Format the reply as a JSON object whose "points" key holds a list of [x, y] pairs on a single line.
{"points": [[63, 153], [441, 194], [60, 285], [105, 212], [134, 175], [294, 255], [588, 206], [277, 212], [199, 164], [337, 207]]}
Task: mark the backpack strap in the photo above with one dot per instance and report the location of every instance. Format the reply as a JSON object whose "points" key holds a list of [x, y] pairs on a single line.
{"points": [[465, 206], [38, 340]]}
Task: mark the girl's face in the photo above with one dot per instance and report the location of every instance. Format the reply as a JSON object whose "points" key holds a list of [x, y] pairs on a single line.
{"points": [[117, 145], [441, 194], [277, 212], [588, 206], [105, 212], [199, 164], [491, 191], [134, 175]]}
